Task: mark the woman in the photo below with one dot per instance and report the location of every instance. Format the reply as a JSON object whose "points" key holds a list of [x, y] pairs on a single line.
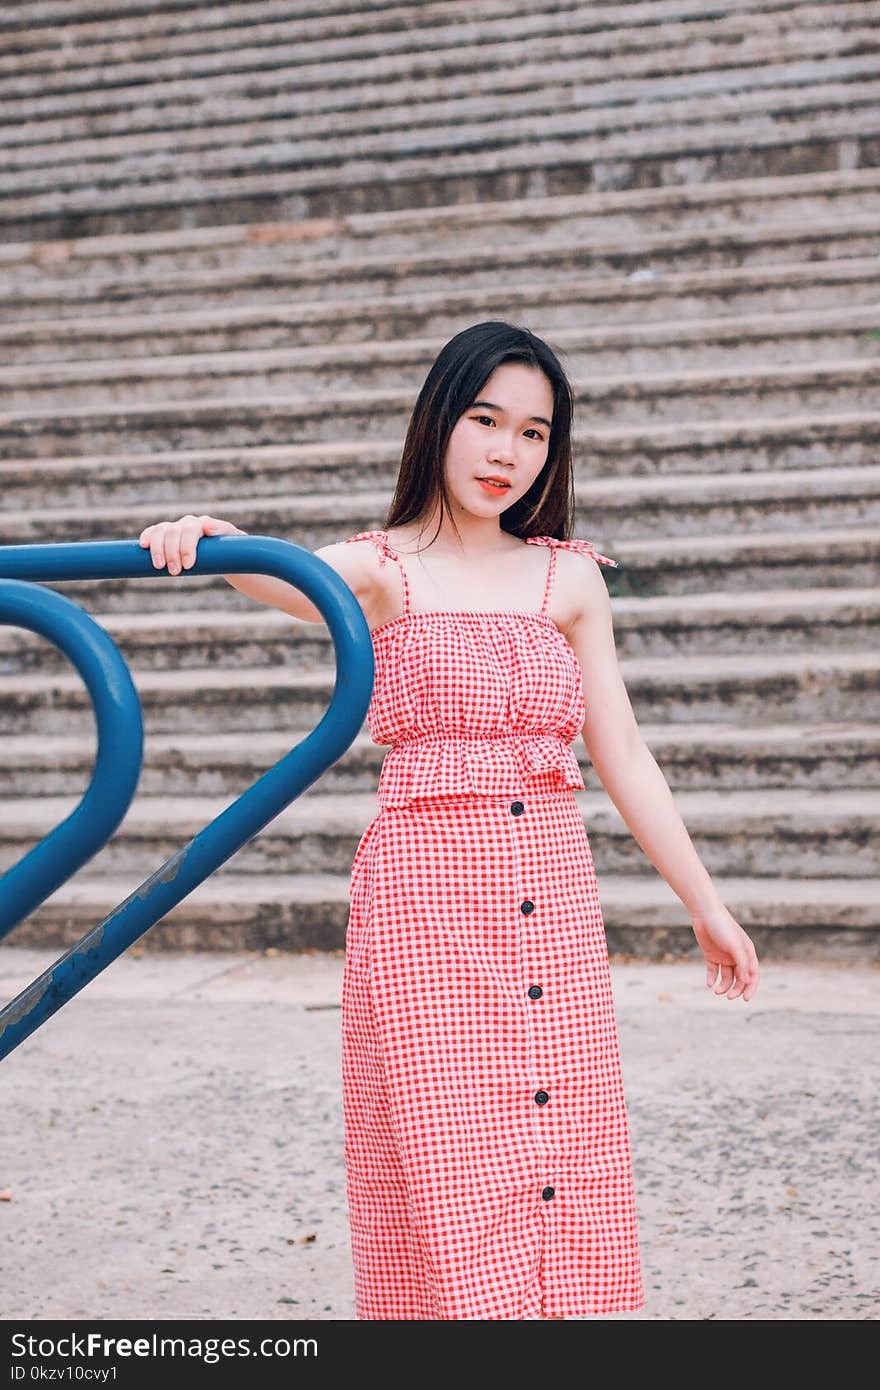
{"points": [[487, 1147]]}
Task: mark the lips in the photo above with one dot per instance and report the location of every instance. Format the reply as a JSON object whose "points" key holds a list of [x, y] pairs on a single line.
{"points": [[499, 483]]}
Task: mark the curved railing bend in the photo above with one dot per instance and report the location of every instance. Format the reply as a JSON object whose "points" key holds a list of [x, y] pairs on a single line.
{"points": [[120, 737], [120, 747]]}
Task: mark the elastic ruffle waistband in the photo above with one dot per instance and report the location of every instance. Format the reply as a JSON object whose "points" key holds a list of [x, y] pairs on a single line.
{"points": [[434, 765]]}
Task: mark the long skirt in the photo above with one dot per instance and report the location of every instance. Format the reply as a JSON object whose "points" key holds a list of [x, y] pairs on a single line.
{"points": [[486, 1141]]}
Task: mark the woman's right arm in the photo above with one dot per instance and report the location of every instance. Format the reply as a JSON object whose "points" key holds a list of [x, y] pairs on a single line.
{"points": [[175, 542]]}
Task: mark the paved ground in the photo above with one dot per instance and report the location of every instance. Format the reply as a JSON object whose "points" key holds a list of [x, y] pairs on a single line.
{"points": [[172, 1142]]}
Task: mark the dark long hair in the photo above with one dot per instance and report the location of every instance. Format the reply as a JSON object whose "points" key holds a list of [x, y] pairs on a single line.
{"points": [[454, 382]]}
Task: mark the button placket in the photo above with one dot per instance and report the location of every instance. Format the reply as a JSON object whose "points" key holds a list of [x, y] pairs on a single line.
{"points": [[534, 993]]}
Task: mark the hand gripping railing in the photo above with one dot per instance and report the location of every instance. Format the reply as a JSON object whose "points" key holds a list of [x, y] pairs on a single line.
{"points": [[120, 744]]}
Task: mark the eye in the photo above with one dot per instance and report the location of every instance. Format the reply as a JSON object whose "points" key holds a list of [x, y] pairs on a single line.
{"points": [[487, 420]]}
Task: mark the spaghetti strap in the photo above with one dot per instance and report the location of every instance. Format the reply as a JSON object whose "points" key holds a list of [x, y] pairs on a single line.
{"points": [[551, 579], [385, 551], [553, 542]]}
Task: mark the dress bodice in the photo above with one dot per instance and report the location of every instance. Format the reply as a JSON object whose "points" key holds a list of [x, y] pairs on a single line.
{"points": [[479, 702]]}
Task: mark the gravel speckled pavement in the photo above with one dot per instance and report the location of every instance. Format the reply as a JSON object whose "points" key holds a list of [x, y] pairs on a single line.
{"points": [[172, 1142]]}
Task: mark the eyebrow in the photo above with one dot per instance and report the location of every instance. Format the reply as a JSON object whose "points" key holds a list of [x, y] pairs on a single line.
{"points": [[539, 419]]}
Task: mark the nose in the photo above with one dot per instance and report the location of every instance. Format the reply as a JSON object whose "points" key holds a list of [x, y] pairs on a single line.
{"points": [[501, 450]]}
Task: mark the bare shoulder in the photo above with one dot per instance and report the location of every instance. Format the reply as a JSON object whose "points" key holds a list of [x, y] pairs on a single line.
{"points": [[610, 726], [579, 590], [359, 564]]}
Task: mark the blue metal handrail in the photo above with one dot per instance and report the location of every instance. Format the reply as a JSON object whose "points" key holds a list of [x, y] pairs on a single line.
{"points": [[244, 818], [120, 747]]}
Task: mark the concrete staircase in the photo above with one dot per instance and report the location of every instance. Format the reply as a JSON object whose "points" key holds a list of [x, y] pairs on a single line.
{"points": [[233, 241]]}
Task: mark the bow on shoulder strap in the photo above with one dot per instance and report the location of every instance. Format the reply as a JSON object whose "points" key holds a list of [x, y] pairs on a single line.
{"points": [[584, 547]]}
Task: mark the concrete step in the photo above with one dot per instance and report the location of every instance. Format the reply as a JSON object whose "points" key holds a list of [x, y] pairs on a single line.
{"points": [[809, 918], [695, 757], [828, 835], [690, 625], [174, 360], [737, 147], [734, 206], [813, 336], [611, 266], [68, 150], [827, 446], [772, 560], [143, 36], [482, 44], [643, 298], [743, 690], [845, 557], [127, 26], [272, 418], [402, 132], [128, 21]]}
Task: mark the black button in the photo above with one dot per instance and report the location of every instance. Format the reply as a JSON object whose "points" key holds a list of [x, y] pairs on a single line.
{"points": [[548, 1193], [541, 1097], [527, 907], [517, 808], [535, 991]]}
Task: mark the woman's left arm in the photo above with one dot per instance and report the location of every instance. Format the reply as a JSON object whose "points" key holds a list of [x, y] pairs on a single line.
{"points": [[630, 774]]}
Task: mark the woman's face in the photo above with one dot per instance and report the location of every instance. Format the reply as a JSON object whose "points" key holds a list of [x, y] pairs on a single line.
{"points": [[505, 434]]}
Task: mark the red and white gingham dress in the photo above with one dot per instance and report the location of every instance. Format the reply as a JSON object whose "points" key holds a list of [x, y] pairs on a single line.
{"points": [[486, 1140]]}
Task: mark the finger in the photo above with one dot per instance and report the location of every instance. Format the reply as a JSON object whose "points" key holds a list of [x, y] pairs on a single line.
{"points": [[743, 971], [189, 541], [739, 985], [747, 968], [746, 976], [156, 542], [751, 978], [726, 979], [172, 549], [173, 539], [216, 526], [711, 973]]}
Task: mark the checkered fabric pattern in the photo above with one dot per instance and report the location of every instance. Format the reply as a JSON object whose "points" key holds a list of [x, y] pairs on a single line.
{"points": [[486, 1141]]}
